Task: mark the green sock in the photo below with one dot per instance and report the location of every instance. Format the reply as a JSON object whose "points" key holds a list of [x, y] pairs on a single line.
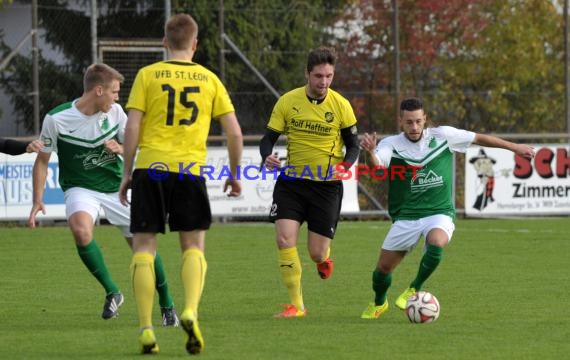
{"points": [[93, 259], [428, 264], [380, 284], [164, 298]]}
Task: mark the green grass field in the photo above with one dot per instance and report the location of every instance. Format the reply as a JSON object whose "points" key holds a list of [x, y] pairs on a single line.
{"points": [[502, 286]]}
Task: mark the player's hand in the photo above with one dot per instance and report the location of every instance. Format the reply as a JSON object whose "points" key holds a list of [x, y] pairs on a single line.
{"points": [[35, 146], [272, 162], [234, 186], [123, 189], [526, 151], [114, 147], [339, 171], [36, 208], [368, 142]]}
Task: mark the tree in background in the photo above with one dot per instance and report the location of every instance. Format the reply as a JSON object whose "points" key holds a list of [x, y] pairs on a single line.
{"points": [[510, 78], [274, 35], [480, 64], [362, 33], [65, 26]]}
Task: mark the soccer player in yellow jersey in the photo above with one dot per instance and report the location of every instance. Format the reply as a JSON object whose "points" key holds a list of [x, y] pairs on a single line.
{"points": [[318, 123], [170, 109]]}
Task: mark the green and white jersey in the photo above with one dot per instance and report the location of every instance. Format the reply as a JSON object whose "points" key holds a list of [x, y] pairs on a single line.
{"points": [[430, 192], [79, 141]]}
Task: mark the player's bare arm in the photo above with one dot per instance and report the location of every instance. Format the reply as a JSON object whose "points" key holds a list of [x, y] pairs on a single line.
{"points": [[523, 150], [39, 175], [368, 143], [234, 136], [132, 131]]}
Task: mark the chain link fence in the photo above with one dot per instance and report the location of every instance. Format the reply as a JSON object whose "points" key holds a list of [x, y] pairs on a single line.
{"points": [[128, 56], [129, 37]]}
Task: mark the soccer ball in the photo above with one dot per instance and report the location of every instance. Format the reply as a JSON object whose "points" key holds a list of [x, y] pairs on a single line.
{"points": [[422, 307]]}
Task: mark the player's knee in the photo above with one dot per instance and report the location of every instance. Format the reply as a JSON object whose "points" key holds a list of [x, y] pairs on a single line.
{"points": [[284, 242], [438, 241], [386, 267], [81, 235], [437, 237]]}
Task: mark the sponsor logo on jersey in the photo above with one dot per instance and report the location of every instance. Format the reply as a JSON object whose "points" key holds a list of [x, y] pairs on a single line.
{"points": [[95, 159], [104, 123], [426, 181]]}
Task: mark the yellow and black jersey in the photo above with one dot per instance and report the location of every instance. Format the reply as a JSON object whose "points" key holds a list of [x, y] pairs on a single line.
{"points": [[179, 99], [314, 141]]}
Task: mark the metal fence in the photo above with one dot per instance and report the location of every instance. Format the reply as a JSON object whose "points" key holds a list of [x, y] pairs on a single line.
{"points": [[74, 21], [374, 70], [128, 56]]}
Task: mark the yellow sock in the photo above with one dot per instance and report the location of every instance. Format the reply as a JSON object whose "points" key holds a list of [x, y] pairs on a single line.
{"points": [[142, 273], [194, 268], [290, 268]]}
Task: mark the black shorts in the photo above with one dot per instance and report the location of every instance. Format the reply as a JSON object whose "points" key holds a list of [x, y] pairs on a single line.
{"points": [[178, 199], [316, 202]]}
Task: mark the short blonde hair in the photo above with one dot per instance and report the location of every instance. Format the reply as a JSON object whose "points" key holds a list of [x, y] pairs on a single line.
{"points": [[100, 75], [180, 30]]}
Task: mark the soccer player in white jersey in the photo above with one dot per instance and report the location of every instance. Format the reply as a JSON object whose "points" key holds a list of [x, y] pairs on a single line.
{"points": [[85, 134], [419, 208]]}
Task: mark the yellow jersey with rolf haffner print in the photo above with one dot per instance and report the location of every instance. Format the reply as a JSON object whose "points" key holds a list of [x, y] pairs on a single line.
{"points": [[312, 127]]}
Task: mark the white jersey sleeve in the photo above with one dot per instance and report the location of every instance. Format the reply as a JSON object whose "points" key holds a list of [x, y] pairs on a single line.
{"points": [[459, 140], [122, 122], [49, 134], [384, 150]]}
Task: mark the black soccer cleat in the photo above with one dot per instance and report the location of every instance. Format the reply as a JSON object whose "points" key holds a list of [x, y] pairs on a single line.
{"points": [[112, 304]]}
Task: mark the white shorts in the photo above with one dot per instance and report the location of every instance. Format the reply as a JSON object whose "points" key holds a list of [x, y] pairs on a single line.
{"points": [[405, 234], [80, 199]]}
